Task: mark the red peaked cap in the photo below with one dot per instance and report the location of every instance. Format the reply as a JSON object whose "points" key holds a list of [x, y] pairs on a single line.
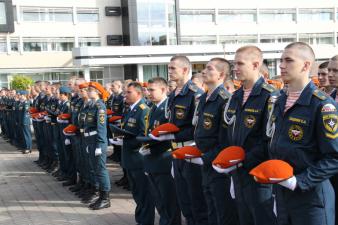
{"points": [[33, 110], [64, 116], [186, 152], [229, 156], [272, 171], [110, 112], [114, 118], [165, 128], [70, 129]]}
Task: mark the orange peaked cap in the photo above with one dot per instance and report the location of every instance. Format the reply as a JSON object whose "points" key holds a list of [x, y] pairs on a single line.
{"points": [[64, 116], [165, 128], [70, 129], [272, 171], [100, 89], [229, 156], [186, 152]]}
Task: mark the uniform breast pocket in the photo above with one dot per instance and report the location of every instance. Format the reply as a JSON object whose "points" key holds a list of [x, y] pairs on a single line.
{"points": [[180, 112], [298, 129], [252, 118], [90, 118]]}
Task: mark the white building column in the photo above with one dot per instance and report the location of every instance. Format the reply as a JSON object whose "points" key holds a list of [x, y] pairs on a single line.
{"points": [[140, 72], [8, 43], [86, 73]]}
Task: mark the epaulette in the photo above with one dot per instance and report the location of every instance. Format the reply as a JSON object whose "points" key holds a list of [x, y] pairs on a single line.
{"points": [[319, 94], [143, 106], [268, 87], [193, 87], [223, 94]]}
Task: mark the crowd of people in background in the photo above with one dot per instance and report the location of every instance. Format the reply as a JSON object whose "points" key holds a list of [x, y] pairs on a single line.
{"points": [[197, 147]]}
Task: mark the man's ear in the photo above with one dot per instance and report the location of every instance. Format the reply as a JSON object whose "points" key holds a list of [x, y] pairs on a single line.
{"points": [[256, 65], [307, 66]]}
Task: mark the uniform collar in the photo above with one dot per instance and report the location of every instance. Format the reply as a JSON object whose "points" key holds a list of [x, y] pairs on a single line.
{"points": [[256, 89], [161, 102], [215, 92], [305, 96], [135, 104], [185, 88]]}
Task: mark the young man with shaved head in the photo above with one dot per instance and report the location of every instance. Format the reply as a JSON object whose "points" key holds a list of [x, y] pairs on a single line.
{"points": [[245, 117], [304, 134]]}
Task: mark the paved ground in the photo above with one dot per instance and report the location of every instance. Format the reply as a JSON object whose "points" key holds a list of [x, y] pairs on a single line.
{"points": [[30, 196]]}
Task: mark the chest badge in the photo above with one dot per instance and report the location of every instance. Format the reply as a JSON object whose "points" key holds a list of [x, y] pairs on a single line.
{"points": [[250, 121], [207, 123], [179, 113], [330, 122], [295, 132]]}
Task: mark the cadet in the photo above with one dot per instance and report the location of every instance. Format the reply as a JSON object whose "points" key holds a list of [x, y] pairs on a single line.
{"points": [[333, 76], [208, 120], [24, 122], [134, 123], [180, 110], [306, 137], [95, 133], [157, 158], [246, 116]]}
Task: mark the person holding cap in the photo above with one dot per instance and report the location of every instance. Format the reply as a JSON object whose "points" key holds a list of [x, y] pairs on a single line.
{"points": [[24, 122], [303, 133], [95, 133]]}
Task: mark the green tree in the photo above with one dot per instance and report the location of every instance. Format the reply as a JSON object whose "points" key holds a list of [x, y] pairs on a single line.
{"points": [[20, 82]]}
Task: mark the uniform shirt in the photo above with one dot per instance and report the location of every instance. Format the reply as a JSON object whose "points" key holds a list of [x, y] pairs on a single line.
{"points": [[306, 136], [210, 116], [180, 110], [249, 128]]}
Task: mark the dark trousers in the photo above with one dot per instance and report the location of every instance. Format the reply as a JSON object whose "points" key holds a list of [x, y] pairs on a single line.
{"points": [[221, 207], [164, 195], [140, 188], [188, 182]]}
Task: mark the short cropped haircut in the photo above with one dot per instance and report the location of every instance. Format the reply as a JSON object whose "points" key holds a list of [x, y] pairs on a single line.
{"points": [[136, 85], [253, 51], [223, 65], [307, 51], [158, 80], [323, 65], [184, 61]]}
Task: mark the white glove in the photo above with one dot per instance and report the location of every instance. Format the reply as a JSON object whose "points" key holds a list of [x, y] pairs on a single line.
{"points": [[98, 152], [232, 189], [67, 141], [164, 137], [226, 170], [116, 141], [197, 161], [172, 170], [290, 183], [144, 151]]}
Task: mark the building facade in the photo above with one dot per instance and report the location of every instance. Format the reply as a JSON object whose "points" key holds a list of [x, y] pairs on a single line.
{"points": [[53, 40]]}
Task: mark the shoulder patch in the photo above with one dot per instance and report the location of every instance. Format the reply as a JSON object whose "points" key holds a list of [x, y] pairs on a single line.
{"points": [[268, 87], [143, 106], [319, 94], [193, 87], [223, 94]]}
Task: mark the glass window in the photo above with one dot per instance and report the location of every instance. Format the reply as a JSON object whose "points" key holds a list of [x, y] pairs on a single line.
{"points": [[35, 45], [319, 38], [87, 15], [62, 44], [3, 45], [277, 15], [198, 40], [87, 42], [96, 76], [14, 44], [278, 38], [237, 16], [196, 18], [238, 39], [150, 71], [317, 15], [61, 15], [3, 19], [272, 66]]}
